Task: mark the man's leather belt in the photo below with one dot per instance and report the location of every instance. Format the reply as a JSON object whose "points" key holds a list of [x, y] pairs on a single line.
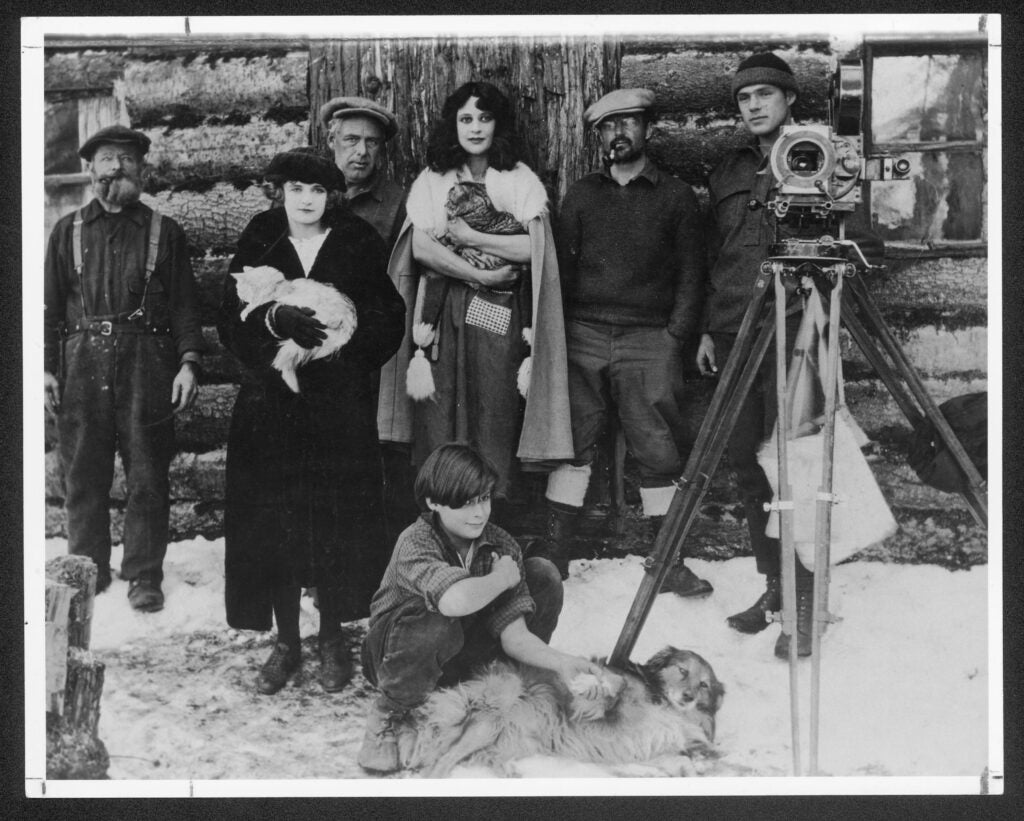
{"points": [[106, 327]]}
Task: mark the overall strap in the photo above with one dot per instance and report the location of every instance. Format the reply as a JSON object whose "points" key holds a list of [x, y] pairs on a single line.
{"points": [[76, 241], [154, 244], [78, 255], [151, 255]]}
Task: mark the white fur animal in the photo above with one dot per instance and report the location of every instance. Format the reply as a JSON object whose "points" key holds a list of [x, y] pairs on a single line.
{"points": [[657, 714], [258, 286]]}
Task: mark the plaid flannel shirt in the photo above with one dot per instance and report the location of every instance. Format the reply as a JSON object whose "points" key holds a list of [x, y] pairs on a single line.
{"points": [[424, 564]]}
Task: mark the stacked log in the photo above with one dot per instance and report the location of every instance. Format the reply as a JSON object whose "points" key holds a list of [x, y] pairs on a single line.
{"points": [[74, 677]]}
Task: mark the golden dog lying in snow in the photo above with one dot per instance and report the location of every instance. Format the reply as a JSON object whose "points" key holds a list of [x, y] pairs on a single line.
{"points": [[658, 714]]}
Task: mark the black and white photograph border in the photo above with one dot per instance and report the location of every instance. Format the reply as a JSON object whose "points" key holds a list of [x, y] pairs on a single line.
{"points": [[912, 675]]}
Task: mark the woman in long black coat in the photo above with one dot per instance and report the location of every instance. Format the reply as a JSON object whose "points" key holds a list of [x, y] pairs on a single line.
{"points": [[303, 496]]}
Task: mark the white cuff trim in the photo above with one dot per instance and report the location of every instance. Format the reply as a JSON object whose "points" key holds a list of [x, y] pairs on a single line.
{"points": [[567, 484], [656, 499]]}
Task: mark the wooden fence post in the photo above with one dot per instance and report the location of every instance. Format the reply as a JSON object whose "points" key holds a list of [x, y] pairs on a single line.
{"points": [[78, 572], [58, 601], [74, 678]]}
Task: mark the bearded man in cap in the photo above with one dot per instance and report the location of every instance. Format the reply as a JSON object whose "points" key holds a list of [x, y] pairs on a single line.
{"points": [[740, 230], [122, 352], [631, 256]]}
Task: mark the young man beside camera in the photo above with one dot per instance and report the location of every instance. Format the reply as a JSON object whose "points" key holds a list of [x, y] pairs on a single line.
{"points": [[740, 230]]}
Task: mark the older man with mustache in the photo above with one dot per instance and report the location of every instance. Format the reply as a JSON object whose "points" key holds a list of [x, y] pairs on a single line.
{"points": [[122, 351]]}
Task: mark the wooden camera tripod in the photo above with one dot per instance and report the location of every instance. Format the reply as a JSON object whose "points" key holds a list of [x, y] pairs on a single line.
{"points": [[864, 322]]}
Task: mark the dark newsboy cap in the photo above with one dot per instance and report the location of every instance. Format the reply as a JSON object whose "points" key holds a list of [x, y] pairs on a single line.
{"points": [[620, 101], [341, 107], [113, 134], [304, 165]]}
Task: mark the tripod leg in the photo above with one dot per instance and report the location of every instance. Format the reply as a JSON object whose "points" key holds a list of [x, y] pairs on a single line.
{"points": [[975, 496], [734, 384], [823, 518], [784, 504]]}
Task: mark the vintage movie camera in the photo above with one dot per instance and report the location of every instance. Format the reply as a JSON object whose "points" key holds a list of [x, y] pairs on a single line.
{"points": [[818, 171]]}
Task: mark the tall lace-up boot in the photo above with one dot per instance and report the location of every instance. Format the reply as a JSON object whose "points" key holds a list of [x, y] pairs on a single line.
{"points": [[755, 618], [804, 625]]}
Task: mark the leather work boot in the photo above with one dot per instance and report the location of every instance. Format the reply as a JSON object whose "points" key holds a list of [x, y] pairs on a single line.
{"points": [[680, 579], [755, 618], [554, 546], [282, 662], [379, 752], [684, 582], [804, 626], [145, 595], [336, 667]]}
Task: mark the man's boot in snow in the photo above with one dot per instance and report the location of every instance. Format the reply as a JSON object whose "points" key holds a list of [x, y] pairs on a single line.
{"points": [[680, 579], [559, 531], [755, 618], [804, 625]]}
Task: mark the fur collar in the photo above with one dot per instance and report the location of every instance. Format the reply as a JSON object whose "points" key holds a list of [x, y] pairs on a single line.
{"points": [[519, 191]]}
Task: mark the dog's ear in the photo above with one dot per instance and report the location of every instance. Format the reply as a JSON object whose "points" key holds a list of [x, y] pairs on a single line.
{"points": [[660, 660]]}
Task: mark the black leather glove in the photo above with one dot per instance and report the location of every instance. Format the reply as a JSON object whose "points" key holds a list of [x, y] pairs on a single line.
{"points": [[299, 324]]}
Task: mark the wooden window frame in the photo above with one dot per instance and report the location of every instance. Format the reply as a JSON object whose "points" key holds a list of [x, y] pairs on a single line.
{"points": [[898, 46]]}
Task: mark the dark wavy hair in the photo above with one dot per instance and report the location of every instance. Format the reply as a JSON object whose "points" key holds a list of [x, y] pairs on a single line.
{"points": [[443, 150]]}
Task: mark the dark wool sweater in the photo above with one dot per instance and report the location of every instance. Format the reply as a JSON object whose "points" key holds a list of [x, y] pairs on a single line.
{"points": [[632, 254]]}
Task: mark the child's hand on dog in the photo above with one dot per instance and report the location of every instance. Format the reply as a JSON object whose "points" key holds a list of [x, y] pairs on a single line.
{"points": [[582, 676], [505, 569]]}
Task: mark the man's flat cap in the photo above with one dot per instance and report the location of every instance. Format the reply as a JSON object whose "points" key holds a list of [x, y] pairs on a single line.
{"points": [[113, 134], [341, 107], [620, 101]]}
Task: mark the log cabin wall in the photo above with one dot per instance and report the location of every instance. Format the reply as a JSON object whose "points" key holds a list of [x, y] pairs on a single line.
{"points": [[218, 112]]}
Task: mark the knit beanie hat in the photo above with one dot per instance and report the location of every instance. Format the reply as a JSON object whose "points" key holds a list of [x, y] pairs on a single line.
{"points": [[764, 68]]}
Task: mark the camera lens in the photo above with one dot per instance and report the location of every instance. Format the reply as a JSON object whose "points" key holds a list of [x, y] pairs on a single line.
{"points": [[804, 159]]}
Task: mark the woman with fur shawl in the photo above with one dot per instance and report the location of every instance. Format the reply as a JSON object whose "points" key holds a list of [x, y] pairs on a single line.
{"points": [[469, 330], [303, 494]]}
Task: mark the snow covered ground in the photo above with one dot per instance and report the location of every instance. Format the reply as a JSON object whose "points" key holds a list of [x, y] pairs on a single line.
{"points": [[905, 678]]}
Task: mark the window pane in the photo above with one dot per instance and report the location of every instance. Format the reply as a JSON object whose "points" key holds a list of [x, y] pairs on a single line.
{"points": [[61, 130], [928, 98], [942, 200]]}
